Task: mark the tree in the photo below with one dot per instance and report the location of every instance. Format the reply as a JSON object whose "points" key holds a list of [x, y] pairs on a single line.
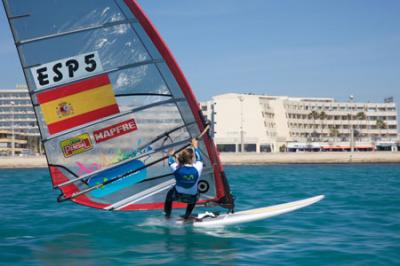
{"points": [[360, 116], [283, 148], [380, 124], [334, 133], [322, 117], [314, 116]]}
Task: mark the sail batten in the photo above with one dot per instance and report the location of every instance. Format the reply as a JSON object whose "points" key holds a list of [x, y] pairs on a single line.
{"points": [[143, 94], [146, 193], [110, 101], [19, 17], [60, 34]]}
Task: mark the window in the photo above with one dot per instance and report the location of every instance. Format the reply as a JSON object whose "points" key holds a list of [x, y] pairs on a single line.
{"points": [[250, 147], [265, 148], [226, 147]]}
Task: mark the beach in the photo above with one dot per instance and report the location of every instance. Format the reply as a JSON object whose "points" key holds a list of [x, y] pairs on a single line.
{"points": [[310, 158], [251, 158], [23, 162]]}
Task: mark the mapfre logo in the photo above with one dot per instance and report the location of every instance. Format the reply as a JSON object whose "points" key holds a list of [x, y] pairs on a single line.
{"points": [[76, 145], [114, 131]]}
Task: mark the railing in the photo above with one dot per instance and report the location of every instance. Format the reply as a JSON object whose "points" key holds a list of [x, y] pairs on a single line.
{"points": [[18, 112]]}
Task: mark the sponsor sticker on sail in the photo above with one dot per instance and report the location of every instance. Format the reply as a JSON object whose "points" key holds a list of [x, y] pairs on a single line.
{"points": [[76, 145], [114, 131], [73, 105]]}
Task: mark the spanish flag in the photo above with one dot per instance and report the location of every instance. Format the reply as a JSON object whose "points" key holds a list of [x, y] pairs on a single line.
{"points": [[77, 104]]}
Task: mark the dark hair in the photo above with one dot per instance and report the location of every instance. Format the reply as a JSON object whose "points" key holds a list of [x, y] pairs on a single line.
{"points": [[186, 156]]}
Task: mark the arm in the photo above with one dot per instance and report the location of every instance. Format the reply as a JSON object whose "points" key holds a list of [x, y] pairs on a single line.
{"points": [[198, 164], [171, 161], [195, 145], [197, 154]]}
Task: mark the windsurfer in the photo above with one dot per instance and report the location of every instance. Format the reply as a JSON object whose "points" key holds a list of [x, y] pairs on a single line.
{"points": [[187, 173]]}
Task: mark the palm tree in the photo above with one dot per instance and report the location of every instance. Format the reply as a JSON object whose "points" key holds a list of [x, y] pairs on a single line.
{"points": [[334, 132], [380, 124], [322, 117], [351, 131], [314, 116], [360, 116]]}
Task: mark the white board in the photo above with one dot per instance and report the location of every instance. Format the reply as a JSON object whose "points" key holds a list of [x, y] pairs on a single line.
{"points": [[254, 214]]}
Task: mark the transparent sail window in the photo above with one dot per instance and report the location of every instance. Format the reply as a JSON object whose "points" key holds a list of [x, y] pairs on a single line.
{"points": [[141, 79], [47, 17]]}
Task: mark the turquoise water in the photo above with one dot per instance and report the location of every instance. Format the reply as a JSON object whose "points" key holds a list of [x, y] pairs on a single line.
{"points": [[357, 224]]}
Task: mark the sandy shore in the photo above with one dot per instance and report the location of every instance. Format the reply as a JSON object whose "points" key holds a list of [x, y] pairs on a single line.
{"points": [[311, 158], [23, 162], [252, 158]]}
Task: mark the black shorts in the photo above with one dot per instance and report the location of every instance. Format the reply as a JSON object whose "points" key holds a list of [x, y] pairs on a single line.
{"points": [[185, 198]]}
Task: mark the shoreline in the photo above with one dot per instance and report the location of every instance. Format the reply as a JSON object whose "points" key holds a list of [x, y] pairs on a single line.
{"points": [[23, 162], [310, 158], [252, 159]]}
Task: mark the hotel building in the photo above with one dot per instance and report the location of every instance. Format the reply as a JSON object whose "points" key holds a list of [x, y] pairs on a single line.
{"points": [[260, 123], [18, 128]]}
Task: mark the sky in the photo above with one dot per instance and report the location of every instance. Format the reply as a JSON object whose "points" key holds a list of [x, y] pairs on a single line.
{"points": [[310, 48]]}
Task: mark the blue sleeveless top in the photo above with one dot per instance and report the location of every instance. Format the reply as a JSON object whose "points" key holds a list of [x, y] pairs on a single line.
{"points": [[187, 176]]}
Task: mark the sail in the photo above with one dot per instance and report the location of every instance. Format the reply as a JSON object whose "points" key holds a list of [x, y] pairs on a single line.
{"points": [[110, 101]]}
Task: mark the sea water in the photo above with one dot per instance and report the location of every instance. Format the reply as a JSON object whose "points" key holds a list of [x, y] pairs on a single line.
{"points": [[358, 223]]}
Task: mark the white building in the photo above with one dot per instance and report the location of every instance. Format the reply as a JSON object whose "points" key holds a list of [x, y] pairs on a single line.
{"points": [[16, 111], [18, 127], [263, 123], [241, 119]]}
